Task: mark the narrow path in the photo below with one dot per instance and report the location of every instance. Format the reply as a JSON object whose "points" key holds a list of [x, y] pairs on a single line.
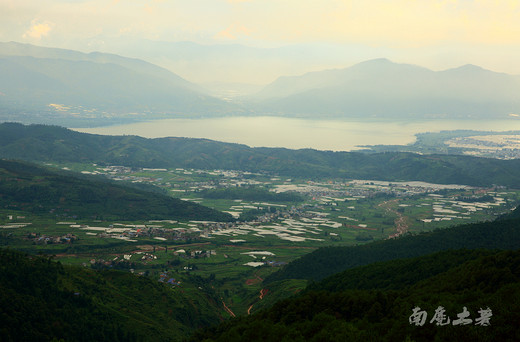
{"points": [[263, 292], [258, 277], [400, 222], [227, 309]]}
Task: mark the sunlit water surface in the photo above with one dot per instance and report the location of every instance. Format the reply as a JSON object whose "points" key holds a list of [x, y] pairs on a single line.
{"points": [[266, 131]]}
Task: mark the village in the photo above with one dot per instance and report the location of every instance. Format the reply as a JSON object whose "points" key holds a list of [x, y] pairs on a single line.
{"points": [[500, 146]]}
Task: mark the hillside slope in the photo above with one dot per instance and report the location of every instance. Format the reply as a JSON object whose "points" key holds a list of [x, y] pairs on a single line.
{"points": [[32, 188], [476, 295], [323, 262], [41, 299]]}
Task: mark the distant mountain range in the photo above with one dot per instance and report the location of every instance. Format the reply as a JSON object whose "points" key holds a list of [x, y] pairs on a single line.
{"points": [[57, 86], [96, 85], [385, 90]]}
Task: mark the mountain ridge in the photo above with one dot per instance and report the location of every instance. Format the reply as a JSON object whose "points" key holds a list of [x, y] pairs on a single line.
{"points": [[20, 49], [53, 143], [94, 88], [43, 191], [380, 88]]}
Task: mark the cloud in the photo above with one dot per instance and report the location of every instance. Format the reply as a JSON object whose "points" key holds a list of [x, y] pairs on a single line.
{"points": [[38, 30], [396, 23], [125, 30], [232, 32]]}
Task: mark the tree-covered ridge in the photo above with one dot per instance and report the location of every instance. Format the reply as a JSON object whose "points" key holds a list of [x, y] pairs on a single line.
{"points": [[476, 281], [323, 262], [395, 274], [52, 143], [41, 299], [40, 190]]}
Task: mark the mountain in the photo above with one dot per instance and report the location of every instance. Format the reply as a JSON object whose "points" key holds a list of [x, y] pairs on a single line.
{"points": [[96, 85], [51, 143], [385, 90], [14, 49], [32, 188]]}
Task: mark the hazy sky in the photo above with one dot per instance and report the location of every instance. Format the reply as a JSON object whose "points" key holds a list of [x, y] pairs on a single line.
{"points": [[433, 33]]}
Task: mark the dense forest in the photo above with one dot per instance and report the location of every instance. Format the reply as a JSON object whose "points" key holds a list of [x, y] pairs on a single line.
{"points": [[42, 300], [53, 143], [450, 296], [39, 190]]}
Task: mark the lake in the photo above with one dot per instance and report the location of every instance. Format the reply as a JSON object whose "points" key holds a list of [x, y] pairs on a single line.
{"points": [[267, 131]]}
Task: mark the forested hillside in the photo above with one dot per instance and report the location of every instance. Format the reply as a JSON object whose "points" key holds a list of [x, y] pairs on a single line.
{"points": [[42, 300], [52, 143], [502, 234], [464, 295], [28, 187]]}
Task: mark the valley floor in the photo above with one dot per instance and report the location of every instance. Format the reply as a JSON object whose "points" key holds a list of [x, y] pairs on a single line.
{"points": [[230, 260]]}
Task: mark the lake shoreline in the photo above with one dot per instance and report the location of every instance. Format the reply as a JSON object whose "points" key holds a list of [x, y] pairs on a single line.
{"points": [[295, 133]]}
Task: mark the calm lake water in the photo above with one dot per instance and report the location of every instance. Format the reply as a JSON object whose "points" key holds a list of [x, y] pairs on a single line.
{"points": [[265, 131]]}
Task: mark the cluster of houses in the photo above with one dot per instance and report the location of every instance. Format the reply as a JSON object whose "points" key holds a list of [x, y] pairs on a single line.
{"points": [[116, 263], [129, 232], [165, 278], [195, 254], [37, 238]]}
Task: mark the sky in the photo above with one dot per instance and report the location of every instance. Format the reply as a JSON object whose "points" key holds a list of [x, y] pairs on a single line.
{"points": [[437, 34]]}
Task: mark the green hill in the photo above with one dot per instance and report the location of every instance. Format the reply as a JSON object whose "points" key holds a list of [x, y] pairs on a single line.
{"points": [[42, 300], [28, 187], [365, 304], [52, 143], [323, 262]]}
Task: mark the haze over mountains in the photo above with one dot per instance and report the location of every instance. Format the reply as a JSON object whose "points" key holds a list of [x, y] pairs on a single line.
{"points": [[217, 63], [35, 77], [44, 84], [383, 89]]}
